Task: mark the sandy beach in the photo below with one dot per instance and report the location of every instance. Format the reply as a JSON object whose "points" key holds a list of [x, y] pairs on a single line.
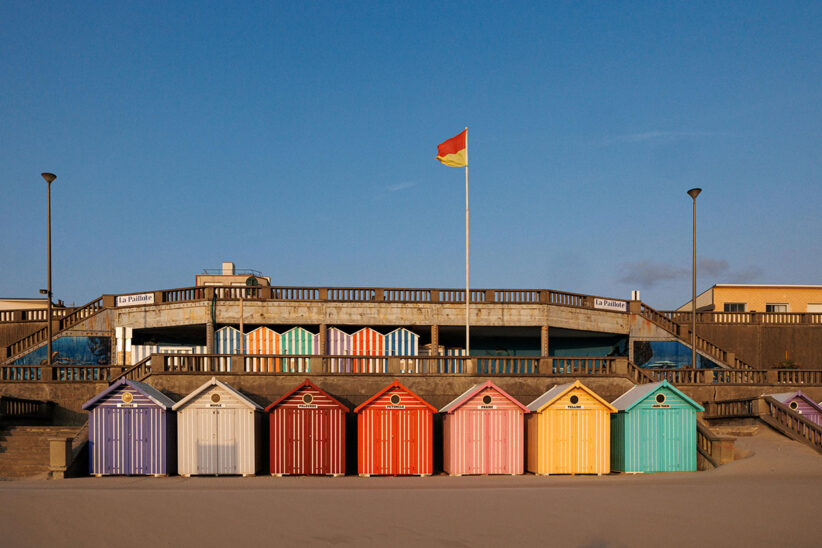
{"points": [[765, 499]]}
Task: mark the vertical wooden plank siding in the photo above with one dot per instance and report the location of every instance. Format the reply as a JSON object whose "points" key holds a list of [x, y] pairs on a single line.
{"points": [[394, 441], [128, 440], [481, 440], [307, 441], [339, 344], [573, 440], [368, 342], [226, 341], [806, 410], [216, 440], [402, 342], [298, 341], [263, 341], [142, 351]]}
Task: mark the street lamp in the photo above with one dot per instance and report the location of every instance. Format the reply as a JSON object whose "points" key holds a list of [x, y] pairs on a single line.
{"points": [[693, 193], [49, 177]]}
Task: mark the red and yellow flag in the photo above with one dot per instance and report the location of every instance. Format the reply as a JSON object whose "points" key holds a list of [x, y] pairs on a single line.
{"points": [[454, 151]]}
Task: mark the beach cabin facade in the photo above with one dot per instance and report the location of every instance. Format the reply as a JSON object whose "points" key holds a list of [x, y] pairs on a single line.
{"points": [[368, 342], [483, 432], [307, 433], [568, 432], [338, 343], [395, 433], [218, 432], [801, 403], [299, 341], [227, 340], [131, 431], [402, 342], [654, 430], [263, 341]]}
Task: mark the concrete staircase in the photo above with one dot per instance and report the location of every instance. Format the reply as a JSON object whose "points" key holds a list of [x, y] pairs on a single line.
{"points": [[24, 450]]}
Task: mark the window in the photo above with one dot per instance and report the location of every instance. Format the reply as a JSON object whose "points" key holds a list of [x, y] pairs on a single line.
{"points": [[735, 307], [776, 307]]}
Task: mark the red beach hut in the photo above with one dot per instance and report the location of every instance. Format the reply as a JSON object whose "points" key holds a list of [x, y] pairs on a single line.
{"points": [[394, 435], [307, 433], [483, 432]]}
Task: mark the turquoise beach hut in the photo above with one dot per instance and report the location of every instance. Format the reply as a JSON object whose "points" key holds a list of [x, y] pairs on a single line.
{"points": [[654, 430]]}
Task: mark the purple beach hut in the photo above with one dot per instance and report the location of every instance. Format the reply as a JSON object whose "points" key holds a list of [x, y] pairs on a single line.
{"points": [[131, 431], [801, 403]]}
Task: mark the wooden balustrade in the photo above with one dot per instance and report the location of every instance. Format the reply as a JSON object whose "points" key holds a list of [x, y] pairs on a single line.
{"points": [[799, 376], [184, 294], [136, 372], [731, 409], [738, 376], [716, 449], [59, 373], [659, 319], [32, 315], [21, 408], [639, 375], [747, 318], [783, 418]]}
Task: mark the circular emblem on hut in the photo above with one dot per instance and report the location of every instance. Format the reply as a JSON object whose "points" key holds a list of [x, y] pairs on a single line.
{"points": [[395, 399], [127, 397], [215, 398], [308, 398], [660, 398], [793, 405], [574, 400], [486, 399]]}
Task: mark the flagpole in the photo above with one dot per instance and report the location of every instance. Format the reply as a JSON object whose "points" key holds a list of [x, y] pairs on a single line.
{"points": [[467, 262]]}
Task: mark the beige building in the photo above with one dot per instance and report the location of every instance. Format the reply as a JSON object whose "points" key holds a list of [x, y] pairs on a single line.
{"points": [[229, 275], [758, 298], [23, 304]]}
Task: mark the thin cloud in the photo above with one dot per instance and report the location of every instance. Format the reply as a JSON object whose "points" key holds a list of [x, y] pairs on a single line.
{"points": [[649, 274], [401, 186], [659, 135], [712, 267]]}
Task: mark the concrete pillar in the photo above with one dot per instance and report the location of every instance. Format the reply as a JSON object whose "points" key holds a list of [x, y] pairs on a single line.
{"points": [[211, 312], [59, 457], [634, 307], [324, 345], [109, 301], [545, 361], [435, 338]]}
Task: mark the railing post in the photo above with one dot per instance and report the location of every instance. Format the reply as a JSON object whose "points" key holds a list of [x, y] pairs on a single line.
{"points": [[157, 363], [393, 366], [323, 346], [469, 366], [158, 297], [59, 457], [635, 307], [435, 295], [322, 294], [237, 363], [772, 376], [109, 301], [379, 294], [544, 296], [490, 295], [620, 367]]}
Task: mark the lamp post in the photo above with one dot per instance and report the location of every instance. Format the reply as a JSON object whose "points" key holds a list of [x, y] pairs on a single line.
{"points": [[693, 193], [49, 177]]}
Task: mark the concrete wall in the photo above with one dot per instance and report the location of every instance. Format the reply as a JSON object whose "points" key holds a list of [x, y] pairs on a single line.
{"points": [[763, 346], [14, 331]]}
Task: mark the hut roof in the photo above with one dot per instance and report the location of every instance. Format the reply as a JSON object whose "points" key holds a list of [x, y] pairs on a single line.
{"points": [[214, 382], [638, 393], [786, 397], [307, 383], [395, 384], [560, 390], [460, 400], [147, 390]]}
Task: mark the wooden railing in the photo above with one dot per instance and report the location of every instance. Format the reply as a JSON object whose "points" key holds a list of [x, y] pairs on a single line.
{"points": [[20, 408], [639, 375], [738, 376], [747, 318], [69, 320], [731, 409], [716, 449], [137, 372]]}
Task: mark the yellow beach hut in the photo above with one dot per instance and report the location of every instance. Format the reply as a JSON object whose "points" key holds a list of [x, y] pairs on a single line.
{"points": [[569, 432]]}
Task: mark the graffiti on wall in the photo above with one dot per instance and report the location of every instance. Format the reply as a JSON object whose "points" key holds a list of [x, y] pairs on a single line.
{"points": [[71, 351], [667, 355]]}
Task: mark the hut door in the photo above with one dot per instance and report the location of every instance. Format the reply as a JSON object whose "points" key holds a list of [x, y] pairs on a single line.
{"points": [[405, 442], [295, 449], [227, 440], [385, 453], [475, 432], [140, 426], [496, 452], [319, 455], [206, 441], [118, 433]]}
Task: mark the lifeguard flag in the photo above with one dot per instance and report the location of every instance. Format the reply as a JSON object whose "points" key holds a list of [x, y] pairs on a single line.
{"points": [[454, 151]]}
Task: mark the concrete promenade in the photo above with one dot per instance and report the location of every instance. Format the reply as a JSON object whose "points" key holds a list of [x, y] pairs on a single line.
{"points": [[767, 499]]}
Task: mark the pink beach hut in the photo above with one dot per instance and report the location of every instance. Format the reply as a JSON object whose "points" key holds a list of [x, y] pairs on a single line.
{"points": [[483, 432]]}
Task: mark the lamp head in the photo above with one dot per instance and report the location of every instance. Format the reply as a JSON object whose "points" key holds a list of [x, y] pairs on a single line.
{"points": [[694, 192], [49, 177]]}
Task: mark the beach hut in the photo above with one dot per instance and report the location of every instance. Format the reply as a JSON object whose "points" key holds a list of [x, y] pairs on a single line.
{"points": [[338, 344], [568, 432], [263, 341], [368, 342], [654, 430], [801, 403], [483, 432], [307, 428], [227, 340], [218, 431], [394, 434], [299, 341], [131, 431], [139, 352], [402, 342]]}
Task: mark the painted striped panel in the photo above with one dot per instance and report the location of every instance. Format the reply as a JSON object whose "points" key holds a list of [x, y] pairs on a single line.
{"points": [[799, 405], [395, 439], [479, 440], [453, 366], [307, 441], [338, 344], [571, 438], [368, 342], [227, 340], [217, 440], [299, 341], [140, 352], [129, 440], [263, 341], [402, 342]]}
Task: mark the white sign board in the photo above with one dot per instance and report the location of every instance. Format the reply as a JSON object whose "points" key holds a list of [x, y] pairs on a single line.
{"points": [[610, 304], [131, 300]]}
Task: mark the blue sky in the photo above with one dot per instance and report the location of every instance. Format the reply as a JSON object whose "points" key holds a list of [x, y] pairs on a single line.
{"points": [[298, 139]]}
